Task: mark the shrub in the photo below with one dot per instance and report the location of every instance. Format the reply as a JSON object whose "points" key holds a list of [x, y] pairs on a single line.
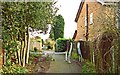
{"points": [[75, 56], [35, 55], [38, 40], [105, 51], [14, 69], [8, 62], [49, 45], [35, 49], [88, 67], [61, 44]]}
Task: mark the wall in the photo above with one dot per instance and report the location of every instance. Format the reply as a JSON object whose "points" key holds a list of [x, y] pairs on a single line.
{"points": [[102, 16]]}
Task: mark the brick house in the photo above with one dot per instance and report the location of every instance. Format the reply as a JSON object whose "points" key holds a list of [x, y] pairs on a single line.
{"points": [[93, 16]]}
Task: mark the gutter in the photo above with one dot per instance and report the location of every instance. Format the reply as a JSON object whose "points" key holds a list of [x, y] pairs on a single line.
{"points": [[104, 3], [79, 10]]}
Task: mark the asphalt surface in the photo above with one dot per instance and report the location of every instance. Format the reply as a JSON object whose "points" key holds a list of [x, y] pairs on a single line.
{"points": [[59, 65]]}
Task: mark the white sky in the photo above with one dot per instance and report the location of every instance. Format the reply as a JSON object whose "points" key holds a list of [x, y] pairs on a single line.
{"points": [[68, 9]]}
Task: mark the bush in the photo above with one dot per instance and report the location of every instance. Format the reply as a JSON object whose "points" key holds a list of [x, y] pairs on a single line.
{"points": [[88, 67], [49, 45], [35, 55], [38, 40], [103, 51], [61, 45], [14, 69], [75, 56], [35, 49]]}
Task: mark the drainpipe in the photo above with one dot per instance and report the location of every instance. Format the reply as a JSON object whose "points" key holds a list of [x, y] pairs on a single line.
{"points": [[108, 3], [87, 22]]}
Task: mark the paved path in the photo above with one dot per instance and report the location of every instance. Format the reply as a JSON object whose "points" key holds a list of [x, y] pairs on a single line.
{"points": [[61, 66]]}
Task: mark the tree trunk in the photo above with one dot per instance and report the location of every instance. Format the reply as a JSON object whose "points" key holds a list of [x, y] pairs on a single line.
{"points": [[22, 48], [28, 44], [18, 55], [24, 52]]}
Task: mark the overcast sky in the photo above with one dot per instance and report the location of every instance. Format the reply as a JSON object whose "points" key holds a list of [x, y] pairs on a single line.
{"points": [[68, 9]]}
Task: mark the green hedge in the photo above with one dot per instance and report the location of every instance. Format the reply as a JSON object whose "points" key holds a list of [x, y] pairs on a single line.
{"points": [[61, 44]]}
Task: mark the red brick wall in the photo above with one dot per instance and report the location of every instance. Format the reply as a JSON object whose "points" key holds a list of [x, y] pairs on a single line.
{"points": [[102, 16], [81, 25]]}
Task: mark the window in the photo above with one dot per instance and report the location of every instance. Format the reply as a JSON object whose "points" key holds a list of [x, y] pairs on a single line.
{"points": [[85, 21], [91, 18]]}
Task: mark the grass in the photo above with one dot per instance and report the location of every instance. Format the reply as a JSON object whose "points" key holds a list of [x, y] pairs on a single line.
{"points": [[75, 56], [88, 67]]}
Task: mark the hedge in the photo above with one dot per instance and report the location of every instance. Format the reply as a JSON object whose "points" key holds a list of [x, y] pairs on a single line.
{"points": [[61, 44]]}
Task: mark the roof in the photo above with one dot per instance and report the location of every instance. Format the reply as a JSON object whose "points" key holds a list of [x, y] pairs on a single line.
{"points": [[79, 10], [103, 2], [109, 1], [75, 34]]}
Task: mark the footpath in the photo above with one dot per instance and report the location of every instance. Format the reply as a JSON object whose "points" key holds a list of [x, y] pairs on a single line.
{"points": [[59, 65]]}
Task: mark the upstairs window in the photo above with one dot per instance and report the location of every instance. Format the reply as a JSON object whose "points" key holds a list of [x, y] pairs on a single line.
{"points": [[91, 18], [85, 21]]}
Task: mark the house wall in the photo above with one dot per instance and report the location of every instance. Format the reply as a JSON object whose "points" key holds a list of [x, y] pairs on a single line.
{"points": [[81, 25], [102, 16]]}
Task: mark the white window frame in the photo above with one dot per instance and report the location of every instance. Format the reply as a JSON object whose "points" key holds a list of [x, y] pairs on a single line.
{"points": [[85, 21], [91, 18]]}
